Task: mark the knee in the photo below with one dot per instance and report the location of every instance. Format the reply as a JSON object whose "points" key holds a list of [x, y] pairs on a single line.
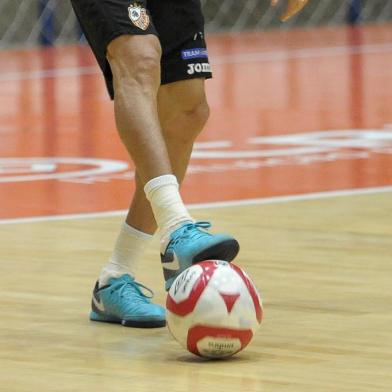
{"points": [[187, 119], [196, 116], [135, 60]]}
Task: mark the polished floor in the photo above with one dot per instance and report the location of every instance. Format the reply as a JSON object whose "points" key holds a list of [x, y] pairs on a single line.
{"points": [[296, 162]]}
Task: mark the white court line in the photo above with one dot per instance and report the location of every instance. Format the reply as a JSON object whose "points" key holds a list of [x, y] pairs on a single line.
{"points": [[220, 204], [238, 58]]}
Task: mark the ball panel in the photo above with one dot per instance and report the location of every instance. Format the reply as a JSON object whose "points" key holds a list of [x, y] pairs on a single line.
{"points": [[215, 342], [211, 310], [179, 326], [229, 300], [253, 292], [182, 286], [183, 297]]}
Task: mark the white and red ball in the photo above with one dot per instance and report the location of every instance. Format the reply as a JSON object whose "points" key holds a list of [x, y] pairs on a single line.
{"points": [[213, 309]]}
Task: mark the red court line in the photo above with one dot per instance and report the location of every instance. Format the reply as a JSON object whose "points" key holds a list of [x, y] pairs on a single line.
{"points": [[54, 105]]}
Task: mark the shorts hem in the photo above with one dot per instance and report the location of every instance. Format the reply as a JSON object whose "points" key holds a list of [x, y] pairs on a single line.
{"points": [[119, 33]]}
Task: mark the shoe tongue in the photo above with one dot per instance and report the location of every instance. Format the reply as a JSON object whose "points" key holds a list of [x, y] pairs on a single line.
{"points": [[171, 229], [127, 278], [123, 278]]}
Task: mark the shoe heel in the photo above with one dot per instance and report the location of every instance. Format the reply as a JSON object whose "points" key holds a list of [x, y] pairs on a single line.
{"points": [[94, 316]]}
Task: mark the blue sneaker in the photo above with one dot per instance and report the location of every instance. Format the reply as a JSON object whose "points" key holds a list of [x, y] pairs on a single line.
{"points": [[190, 244], [123, 301]]}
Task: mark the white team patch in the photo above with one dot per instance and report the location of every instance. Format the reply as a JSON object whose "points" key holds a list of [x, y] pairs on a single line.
{"points": [[198, 68], [138, 16]]}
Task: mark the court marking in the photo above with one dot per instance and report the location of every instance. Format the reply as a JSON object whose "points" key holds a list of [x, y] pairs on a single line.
{"points": [[223, 204], [48, 165], [306, 148], [264, 56]]}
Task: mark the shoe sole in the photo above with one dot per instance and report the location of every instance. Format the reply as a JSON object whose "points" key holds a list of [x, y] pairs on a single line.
{"points": [[128, 323], [144, 324], [225, 251]]}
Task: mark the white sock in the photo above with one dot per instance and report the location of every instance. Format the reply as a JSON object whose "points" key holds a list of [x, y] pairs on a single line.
{"points": [[166, 203], [128, 250]]}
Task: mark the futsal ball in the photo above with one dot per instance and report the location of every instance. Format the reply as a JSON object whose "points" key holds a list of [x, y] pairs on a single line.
{"points": [[213, 309]]}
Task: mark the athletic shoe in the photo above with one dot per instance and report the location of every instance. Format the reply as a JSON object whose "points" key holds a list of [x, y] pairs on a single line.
{"points": [[190, 244], [123, 301]]}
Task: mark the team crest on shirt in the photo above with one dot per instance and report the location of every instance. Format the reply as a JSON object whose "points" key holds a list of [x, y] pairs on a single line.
{"points": [[138, 16]]}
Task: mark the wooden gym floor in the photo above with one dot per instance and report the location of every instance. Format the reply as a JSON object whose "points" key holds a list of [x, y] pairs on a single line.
{"points": [[296, 162]]}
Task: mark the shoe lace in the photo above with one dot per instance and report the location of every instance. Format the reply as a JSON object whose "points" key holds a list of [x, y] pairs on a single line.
{"points": [[127, 287], [188, 232]]}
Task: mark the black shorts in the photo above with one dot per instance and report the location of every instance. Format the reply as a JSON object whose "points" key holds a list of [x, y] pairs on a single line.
{"points": [[179, 25]]}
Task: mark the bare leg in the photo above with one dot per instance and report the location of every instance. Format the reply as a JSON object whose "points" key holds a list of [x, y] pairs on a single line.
{"points": [[183, 111], [135, 63]]}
